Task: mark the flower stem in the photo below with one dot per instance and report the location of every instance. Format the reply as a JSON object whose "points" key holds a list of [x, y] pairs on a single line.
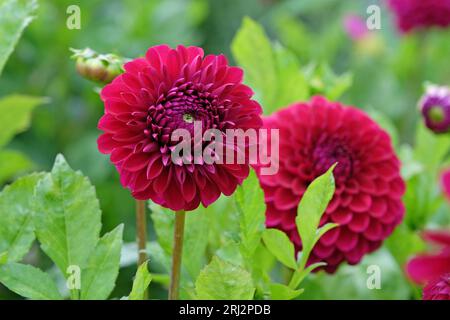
{"points": [[141, 227], [174, 289]]}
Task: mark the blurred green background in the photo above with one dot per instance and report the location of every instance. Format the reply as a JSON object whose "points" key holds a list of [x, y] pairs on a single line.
{"points": [[388, 71]]}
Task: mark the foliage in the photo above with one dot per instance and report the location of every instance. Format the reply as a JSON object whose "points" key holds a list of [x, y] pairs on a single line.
{"points": [[289, 50]]}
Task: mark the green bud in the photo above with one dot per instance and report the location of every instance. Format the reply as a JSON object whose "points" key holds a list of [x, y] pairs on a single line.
{"points": [[97, 67]]}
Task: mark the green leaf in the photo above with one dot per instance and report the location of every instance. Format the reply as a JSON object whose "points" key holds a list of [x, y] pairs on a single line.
{"points": [[67, 216], [12, 163], [251, 208], [15, 16], [273, 72], [325, 82], [312, 205], [324, 229], [99, 276], [292, 84], [16, 217], [221, 280], [16, 114], [404, 243], [280, 291], [140, 283], [253, 51], [3, 258], [278, 243], [28, 281]]}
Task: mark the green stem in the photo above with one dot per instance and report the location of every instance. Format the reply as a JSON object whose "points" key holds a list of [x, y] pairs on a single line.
{"points": [[141, 227], [174, 290]]}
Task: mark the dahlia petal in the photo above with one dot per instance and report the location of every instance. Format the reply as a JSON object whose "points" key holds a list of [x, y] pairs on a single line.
{"points": [[209, 194], [106, 144], [154, 167], [285, 199], [189, 189], [438, 237], [424, 268], [347, 240], [330, 237], [273, 216], [162, 181], [359, 222], [378, 207], [360, 202], [135, 162], [341, 216], [374, 231]]}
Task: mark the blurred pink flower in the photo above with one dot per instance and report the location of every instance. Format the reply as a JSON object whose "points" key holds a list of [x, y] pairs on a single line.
{"points": [[355, 27], [427, 267], [415, 14], [445, 183], [438, 289]]}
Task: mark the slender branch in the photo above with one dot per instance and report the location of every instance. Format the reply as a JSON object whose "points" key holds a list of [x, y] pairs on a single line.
{"points": [[177, 255], [141, 227]]}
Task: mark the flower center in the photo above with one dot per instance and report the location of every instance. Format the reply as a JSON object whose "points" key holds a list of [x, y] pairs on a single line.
{"points": [[180, 107], [327, 153], [436, 114], [188, 118]]}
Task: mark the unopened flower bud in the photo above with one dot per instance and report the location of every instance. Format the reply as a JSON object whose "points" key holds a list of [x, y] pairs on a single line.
{"points": [[97, 67], [435, 108]]}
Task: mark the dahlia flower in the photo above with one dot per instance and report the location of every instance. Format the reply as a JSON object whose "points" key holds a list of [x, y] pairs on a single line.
{"points": [[435, 108], [166, 90], [427, 267], [355, 27], [438, 289], [367, 202], [415, 14]]}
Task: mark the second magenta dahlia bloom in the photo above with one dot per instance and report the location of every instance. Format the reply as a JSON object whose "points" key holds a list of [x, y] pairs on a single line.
{"points": [[166, 90], [367, 203], [433, 268], [417, 14]]}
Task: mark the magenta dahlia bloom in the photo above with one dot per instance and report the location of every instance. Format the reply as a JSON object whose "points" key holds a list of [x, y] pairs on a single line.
{"points": [[416, 14], [427, 267], [166, 90], [438, 289], [433, 269], [367, 203], [435, 108]]}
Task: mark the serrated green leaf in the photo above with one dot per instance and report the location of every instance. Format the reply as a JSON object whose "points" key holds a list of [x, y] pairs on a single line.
{"points": [[140, 283], [312, 205], [67, 216], [253, 51], [278, 243], [28, 281], [280, 291], [251, 208], [221, 280], [15, 16], [16, 114], [99, 276], [16, 217], [12, 163]]}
